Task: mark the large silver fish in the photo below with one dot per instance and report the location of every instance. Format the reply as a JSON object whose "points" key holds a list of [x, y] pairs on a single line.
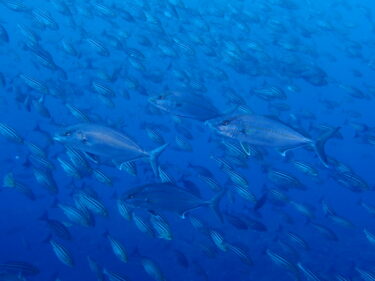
{"points": [[105, 142], [266, 131], [168, 197]]}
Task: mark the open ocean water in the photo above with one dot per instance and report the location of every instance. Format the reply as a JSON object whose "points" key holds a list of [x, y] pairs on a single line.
{"points": [[187, 140]]}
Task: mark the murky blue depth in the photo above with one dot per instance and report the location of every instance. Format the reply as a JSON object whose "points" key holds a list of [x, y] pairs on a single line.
{"points": [[187, 140]]}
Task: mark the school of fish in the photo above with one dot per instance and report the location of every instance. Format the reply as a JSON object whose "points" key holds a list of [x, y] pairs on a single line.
{"points": [[176, 140]]}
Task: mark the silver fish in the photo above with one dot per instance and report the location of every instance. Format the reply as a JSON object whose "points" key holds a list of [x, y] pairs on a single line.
{"points": [[265, 131], [103, 141]]}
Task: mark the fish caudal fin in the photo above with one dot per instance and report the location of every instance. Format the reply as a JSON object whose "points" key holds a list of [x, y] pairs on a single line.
{"points": [[154, 155], [318, 145], [215, 202]]}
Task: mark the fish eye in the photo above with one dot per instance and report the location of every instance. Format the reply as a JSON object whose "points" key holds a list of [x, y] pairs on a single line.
{"points": [[82, 137], [225, 123], [67, 133]]}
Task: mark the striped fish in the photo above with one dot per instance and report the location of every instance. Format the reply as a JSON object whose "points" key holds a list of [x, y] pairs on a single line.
{"points": [[365, 275], [284, 263], [10, 133], [62, 253], [152, 269], [117, 248], [161, 227], [218, 240], [91, 203], [310, 276]]}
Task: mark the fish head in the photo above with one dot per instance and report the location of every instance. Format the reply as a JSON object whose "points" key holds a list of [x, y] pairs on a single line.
{"points": [[73, 136], [226, 126], [135, 197], [164, 101]]}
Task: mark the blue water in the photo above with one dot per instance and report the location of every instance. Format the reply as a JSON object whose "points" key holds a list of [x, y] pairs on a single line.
{"points": [[236, 45]]}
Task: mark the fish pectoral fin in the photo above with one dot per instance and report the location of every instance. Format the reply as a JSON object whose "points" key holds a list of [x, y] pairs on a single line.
{"points": [[183, 214], [243, 146], [283, 150], [92, 157], [119, 165]]}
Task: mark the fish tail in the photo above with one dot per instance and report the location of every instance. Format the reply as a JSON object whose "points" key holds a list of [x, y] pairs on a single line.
{"points": [[154, 155], [318, 145], [215, 204]]}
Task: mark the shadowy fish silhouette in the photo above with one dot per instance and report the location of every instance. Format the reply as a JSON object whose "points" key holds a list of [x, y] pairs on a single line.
{"points": [[190, 106], [169, 197]]}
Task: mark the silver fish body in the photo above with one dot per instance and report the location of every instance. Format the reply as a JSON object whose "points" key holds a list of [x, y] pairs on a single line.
{"points": [[106, 142], [265, 131]]}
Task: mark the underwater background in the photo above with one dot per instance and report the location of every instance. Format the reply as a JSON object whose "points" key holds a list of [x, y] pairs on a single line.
{"points": [[158, 72]]}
